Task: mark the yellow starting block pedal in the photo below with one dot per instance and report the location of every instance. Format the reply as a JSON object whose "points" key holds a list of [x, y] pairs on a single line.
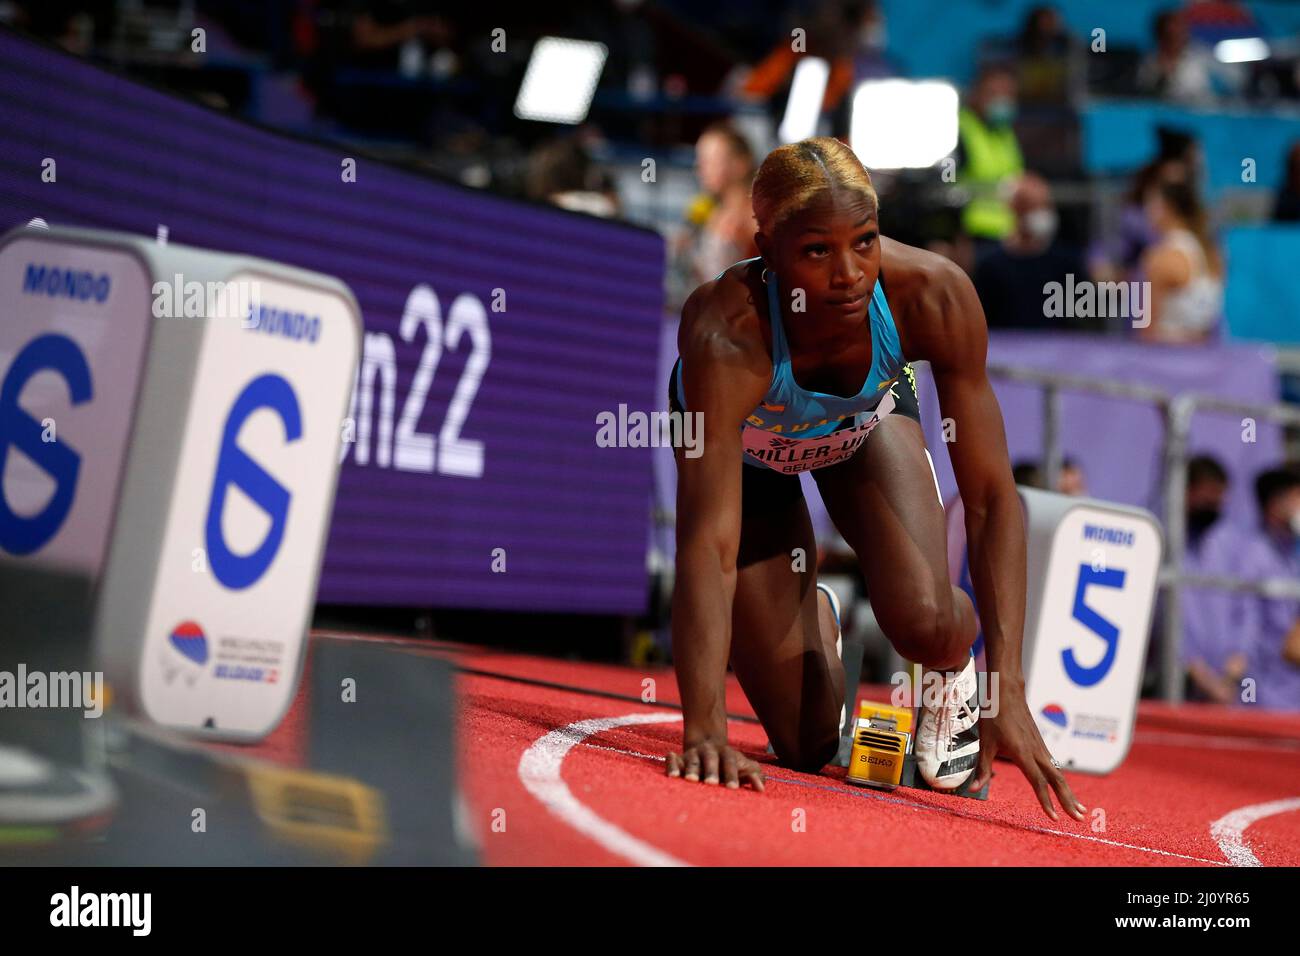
{"points": [[323, 812], [881, 753], [882, 741]]}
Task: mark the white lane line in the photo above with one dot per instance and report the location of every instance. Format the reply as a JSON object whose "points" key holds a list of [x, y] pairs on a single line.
{"points": [[1127, 846], [1229, 831], [625, 753], [539, 769], [911, 804]]}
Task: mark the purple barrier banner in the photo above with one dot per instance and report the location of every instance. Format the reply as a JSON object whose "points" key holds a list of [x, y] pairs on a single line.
{"points": [[1117, 442], [496, 333]]}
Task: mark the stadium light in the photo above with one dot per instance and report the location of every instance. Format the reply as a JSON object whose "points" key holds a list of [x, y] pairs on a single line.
{"points": [[899, 124], [560, 80], [1241, 50], [807, 90]]}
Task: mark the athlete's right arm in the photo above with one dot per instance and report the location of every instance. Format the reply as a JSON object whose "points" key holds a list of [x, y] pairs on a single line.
{"points": [[726, 374]]}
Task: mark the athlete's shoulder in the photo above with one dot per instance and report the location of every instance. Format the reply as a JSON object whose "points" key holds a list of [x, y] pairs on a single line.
{"points": [[912, 272], [720, 318], [933, 301]]}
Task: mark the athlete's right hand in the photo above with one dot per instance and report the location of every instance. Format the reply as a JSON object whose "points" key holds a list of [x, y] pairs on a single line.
{"points": [[712, 763]]}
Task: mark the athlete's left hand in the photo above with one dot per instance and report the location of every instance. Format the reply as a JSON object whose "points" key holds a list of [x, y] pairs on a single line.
{"points": [[1014, 734]]}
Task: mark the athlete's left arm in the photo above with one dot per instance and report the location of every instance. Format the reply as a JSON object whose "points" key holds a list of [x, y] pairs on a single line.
{"points": [[954, 338], [957, 341]]}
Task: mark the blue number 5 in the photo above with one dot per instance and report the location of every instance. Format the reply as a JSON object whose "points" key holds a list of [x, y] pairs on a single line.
{"points": [[1108, 632]]}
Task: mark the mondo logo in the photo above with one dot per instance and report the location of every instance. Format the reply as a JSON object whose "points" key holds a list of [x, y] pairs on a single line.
{"points": [[66, 283]]}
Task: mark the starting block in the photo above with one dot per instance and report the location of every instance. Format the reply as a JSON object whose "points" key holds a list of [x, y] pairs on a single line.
{"points": [[876, 743], [881, 753], [1089, 605], [179, 414]]}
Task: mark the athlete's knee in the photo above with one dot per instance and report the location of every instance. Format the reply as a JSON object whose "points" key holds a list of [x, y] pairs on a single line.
{"points": [[809, 757], [809, 748], [929, 633]]}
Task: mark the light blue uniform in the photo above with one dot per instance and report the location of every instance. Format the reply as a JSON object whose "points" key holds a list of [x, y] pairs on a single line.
{"points": [[794, 429]]}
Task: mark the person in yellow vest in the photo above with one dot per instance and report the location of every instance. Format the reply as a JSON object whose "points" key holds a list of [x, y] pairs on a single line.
{"points": [[989, 154]]}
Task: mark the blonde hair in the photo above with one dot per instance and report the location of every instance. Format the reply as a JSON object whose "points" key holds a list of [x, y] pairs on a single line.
{"points": [[792, 175]]}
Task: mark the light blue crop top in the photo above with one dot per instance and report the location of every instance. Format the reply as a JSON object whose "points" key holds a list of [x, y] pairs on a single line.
{"points": [[777, 435]]}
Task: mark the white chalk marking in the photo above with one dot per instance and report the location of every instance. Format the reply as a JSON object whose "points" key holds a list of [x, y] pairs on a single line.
{"points": [[539, 769], [1229, 831]]}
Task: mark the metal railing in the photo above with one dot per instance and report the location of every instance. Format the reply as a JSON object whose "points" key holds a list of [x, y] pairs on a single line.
{"points": [[1177, 412]]}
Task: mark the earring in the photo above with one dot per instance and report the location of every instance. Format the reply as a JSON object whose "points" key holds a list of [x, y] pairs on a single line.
{"points": [[766, 273]]}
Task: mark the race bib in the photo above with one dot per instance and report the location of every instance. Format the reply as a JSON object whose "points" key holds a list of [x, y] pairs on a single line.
{"points": [[790, 456]]}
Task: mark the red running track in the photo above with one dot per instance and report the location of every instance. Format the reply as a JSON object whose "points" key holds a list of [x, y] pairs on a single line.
{"points": [[573, 775]]}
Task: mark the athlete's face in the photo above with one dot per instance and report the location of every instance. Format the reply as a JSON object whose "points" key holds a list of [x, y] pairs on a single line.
{"points": [[830, 250]]}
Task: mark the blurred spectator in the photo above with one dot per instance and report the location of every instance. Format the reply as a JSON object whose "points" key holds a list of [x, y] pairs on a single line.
{"points": [[1027, 473], [834, 33], [1177, 69], [560, 172], [1117, 258], [1071, 480], [988, 154], [1183, 266], [1044, 52], [70, 24], [1011, 278], [722, 217], [367, 61], [1274, 659], [869, 58], [1218, 625], [1207, 484], [396, 34], [1286, 207]]}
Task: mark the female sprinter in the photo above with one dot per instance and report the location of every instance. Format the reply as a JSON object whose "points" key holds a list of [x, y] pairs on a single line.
{"points": [[796, 361]]}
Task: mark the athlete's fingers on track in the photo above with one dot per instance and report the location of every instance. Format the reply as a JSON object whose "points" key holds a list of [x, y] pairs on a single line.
{"points": [[673, 765], [692, 769], [1039, 782], [1068, 800], [983, 770], [730, 769], [711, 765]]}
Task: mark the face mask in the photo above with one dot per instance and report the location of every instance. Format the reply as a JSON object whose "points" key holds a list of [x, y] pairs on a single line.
{"points": [[1001, 112], [1200, 519], [1041, 223]]}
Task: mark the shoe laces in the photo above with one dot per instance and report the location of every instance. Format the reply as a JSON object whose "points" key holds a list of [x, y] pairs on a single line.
{"points": [[952, 706]]}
